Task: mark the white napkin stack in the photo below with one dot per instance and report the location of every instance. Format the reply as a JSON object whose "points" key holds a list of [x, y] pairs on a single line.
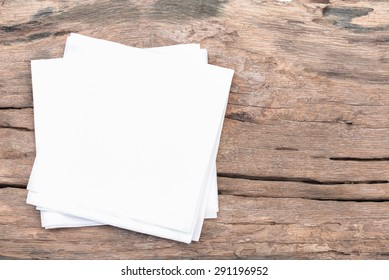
{"points": [[127, 137]]}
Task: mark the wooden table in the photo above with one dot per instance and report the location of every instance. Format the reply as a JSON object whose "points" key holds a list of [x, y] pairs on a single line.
{"points": [[304, 159]]}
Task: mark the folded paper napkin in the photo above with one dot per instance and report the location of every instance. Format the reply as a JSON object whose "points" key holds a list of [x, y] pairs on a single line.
{"points": [[127, 137]]}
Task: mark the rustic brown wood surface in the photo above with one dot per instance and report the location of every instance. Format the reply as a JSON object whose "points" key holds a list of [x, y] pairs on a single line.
{"points": [[304, 159]]}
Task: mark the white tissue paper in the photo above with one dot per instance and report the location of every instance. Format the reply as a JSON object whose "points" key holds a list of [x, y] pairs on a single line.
{"points": [[128, 137], [87, 46]]}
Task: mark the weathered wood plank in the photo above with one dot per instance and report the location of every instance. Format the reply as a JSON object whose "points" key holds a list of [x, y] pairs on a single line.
{"points": [[20, 119], [17, 152], [17, 146], [248, 227], [314, 151]]}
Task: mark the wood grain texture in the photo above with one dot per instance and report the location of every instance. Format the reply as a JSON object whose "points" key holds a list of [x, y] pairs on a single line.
{"points": [[248, 227], [304, 159]]}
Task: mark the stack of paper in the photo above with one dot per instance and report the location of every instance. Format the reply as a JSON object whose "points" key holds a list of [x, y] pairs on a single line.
{"points": [[127, 137]]}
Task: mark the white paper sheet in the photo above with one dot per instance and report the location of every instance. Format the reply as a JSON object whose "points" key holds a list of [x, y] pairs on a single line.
{"points": [[189, 52], [190, 152]]}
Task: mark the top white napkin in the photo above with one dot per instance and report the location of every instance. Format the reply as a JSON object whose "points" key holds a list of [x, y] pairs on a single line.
{"points": [[138, 139]]}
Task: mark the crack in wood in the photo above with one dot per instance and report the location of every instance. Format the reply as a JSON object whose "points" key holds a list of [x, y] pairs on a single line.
{"points": [[260, 106], [286, 149], [258, 223], [351, 104], [360, 159], [283, 256], [336, 252], [15, 186], [362, 200], [297, 179], [20, 128], [245, 117], [348, 200], [4, 257], [336, 121], [15, 108]]}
